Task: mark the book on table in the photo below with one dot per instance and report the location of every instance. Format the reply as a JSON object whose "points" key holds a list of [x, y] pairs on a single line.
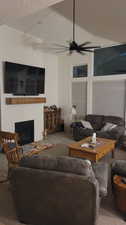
{"points": [[92, 145]]}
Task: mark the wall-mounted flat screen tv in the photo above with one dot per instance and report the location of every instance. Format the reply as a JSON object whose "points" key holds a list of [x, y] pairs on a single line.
{"points": [[23, 79]]}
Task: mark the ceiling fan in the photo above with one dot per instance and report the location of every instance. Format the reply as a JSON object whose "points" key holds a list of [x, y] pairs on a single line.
{"points": [[73, 45]]}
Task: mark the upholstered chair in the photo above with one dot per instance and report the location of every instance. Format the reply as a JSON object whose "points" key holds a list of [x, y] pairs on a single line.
{"points": [[119, 168], [58, 190], [119, 185]]}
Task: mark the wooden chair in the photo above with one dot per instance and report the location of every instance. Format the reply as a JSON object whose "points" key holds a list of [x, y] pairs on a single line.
{"points": [[7, 138], [14, 156]]}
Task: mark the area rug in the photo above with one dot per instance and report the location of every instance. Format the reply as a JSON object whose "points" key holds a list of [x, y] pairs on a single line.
{"points": [[47, 149], [36, 149]]}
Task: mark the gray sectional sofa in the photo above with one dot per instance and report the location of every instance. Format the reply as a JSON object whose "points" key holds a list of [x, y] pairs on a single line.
{"points": [[58, 190], [97, 122]]}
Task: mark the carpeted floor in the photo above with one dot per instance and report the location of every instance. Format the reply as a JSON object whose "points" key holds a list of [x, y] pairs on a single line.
{"points": [[108, 214]]}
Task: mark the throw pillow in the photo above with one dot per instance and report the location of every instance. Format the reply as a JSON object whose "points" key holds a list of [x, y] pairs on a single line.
{"points": [[86, 124], [108, 127]]}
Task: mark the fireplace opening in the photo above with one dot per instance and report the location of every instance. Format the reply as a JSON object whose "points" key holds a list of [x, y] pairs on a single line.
{"points": [[25, 130]]}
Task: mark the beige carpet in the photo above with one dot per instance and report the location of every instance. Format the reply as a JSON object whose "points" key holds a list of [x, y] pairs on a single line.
{"points": [[108, 215]]}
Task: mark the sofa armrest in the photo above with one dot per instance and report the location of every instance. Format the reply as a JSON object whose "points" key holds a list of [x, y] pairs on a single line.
{"points": [[79, 133], [101, 174], [76, 124], [117, 132]]}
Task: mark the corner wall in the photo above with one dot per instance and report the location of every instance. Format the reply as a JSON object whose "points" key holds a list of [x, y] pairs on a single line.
{"points": [[65, 84]]}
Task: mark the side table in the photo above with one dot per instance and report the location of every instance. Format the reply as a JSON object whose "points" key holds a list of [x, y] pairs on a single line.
{"points": [[120, 193]]}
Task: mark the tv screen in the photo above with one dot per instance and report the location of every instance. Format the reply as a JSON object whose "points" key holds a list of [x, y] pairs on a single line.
{"points": [[23, 79]]}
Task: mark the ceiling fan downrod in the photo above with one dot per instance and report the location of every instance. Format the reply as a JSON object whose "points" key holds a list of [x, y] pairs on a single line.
{"points": [[73, 20]]}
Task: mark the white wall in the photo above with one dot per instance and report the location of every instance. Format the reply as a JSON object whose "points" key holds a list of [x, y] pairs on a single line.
{"points": [[51, 79], [13, 49]]}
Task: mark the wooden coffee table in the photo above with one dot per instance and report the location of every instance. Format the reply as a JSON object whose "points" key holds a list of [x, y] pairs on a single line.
{"points": [[94, 153]]}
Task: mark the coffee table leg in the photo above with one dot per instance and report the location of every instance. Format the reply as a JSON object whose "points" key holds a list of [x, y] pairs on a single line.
{"points": [[69, 152], [113, 153]]}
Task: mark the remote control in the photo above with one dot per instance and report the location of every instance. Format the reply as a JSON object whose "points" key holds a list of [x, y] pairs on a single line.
{"points": [[85, 145]]}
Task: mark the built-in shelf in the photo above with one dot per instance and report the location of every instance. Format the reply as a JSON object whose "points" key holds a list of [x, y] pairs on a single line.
{"points": [[52, 120], [21, 100]]}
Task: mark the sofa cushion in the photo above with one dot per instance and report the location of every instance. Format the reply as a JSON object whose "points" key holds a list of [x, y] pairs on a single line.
{"points": [[86, 124], [114, 119], [97, 121], [108, 126], [63, 164], [76, 124]]}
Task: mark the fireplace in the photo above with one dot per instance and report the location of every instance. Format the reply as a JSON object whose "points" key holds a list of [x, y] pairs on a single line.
{"points": [[25, 130]]}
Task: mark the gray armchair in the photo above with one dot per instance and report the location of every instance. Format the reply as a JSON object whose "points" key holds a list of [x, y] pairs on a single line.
{"points": [[118, 167], [58, 190], [119, 185]]}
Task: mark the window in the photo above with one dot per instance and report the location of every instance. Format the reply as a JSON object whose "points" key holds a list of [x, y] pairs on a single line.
{"points": [[110, 60], [80, 71]]}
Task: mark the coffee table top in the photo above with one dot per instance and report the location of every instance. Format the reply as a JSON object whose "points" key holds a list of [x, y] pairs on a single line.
{"points": [[100, 145]]}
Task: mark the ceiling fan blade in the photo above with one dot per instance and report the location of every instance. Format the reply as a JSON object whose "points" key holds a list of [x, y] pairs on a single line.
{"points": [[79, 51], [62, 46], [85, 43], [86, 50], [89, 47], [51, 48], [61, 51]]}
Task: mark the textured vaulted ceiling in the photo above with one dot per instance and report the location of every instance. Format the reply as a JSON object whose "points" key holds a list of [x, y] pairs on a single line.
{"points": [[102, 18], [19, 8], [105, 18]]}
